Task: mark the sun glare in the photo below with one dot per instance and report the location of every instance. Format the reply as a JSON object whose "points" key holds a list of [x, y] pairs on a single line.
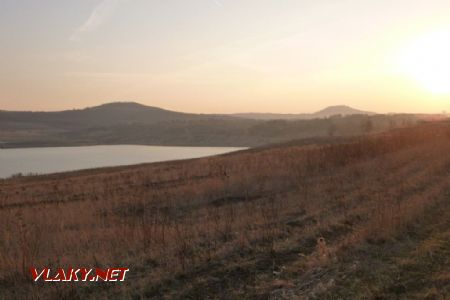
{"points": [[427, 60]]}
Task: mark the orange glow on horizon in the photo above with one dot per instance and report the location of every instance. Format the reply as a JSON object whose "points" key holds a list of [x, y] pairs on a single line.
{"points": [[427, 60]]}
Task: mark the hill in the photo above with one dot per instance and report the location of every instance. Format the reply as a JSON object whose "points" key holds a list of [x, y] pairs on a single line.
{"points": [[327, 112], [110, 114], [342, 110], [367, 218], [133, 123]]}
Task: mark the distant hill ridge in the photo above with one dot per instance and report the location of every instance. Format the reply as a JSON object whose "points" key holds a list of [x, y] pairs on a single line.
{"points": [[117, 113], [103, 115], [341, 109], [123, 105], [136, 124], [329, 111]]}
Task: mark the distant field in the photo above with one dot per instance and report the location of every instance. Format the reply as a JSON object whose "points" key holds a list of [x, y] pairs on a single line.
{"points": [[366, 217]]}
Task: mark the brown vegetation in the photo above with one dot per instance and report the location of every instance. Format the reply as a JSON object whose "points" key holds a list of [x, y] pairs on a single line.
{"points": [[253, 224]]}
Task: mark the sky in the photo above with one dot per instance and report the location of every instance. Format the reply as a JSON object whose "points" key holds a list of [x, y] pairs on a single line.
{"points": [[226, 56]]}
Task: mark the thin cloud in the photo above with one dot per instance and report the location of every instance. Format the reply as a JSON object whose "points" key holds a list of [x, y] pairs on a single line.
{"points": [[102, 12], [218, 3]]}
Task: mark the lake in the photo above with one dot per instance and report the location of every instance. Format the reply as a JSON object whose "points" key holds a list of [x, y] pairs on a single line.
{"points": [[60, 159]]}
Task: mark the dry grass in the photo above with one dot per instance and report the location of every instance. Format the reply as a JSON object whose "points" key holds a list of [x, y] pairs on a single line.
{"points": [[230, 225]]}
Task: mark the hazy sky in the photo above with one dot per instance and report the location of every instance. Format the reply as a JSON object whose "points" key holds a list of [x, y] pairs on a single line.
{"points": [[226, 55]]}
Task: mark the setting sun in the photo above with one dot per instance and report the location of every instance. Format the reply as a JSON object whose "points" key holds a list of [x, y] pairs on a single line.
{"points": [[427, 60]]}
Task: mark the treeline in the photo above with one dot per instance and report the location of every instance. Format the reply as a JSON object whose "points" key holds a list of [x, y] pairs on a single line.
{"points": [[247, 133], [213, 131]]}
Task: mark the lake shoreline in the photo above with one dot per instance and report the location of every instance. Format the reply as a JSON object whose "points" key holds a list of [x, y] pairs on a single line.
{"points": [[27, 145], [48, 160]]}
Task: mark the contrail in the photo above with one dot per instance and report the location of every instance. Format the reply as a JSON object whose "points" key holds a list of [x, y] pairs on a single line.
{"points": [[218, 3], [104, 10]]}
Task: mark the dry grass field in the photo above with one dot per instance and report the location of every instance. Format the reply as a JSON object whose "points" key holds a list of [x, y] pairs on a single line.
{"points": [[364, 218]]}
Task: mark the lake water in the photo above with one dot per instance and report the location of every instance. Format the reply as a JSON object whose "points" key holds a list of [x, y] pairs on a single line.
{"points": [[60, 159]]}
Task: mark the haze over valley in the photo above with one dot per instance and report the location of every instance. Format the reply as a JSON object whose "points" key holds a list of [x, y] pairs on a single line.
{"points": [[133, 123]]}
